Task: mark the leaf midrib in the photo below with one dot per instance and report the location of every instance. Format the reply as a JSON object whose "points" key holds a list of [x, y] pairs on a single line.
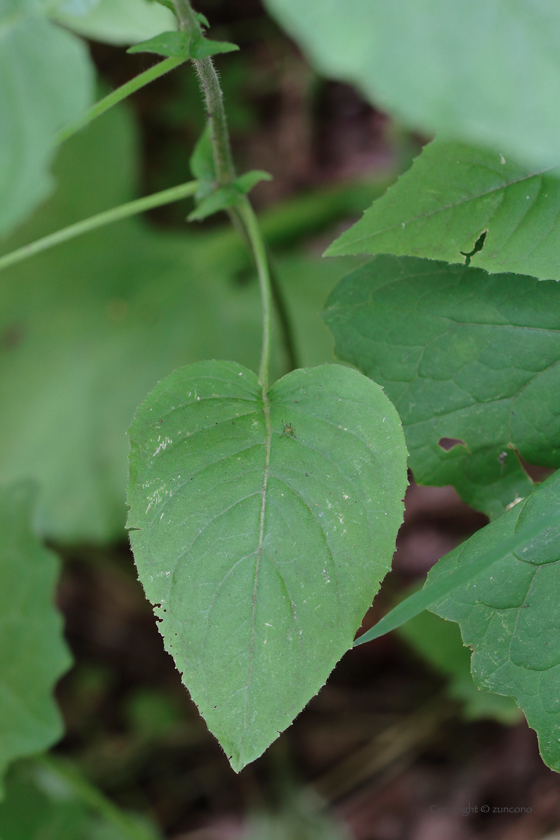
{"points": [[266, 410], [444, 208]]}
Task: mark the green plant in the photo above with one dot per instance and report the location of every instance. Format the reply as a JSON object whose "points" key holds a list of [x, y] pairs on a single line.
{"points": [[263, 516]]}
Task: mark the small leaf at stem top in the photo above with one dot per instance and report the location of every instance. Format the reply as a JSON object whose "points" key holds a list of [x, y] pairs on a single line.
{"points": [[228, 196], [168, 44], [202, 165], [182, 45]]}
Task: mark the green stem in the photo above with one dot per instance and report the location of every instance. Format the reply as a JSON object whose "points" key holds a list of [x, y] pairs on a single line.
{"points": [[117, 96], [283, 316], [225, 174], [223, 161], [132, 208], [259, 251]]}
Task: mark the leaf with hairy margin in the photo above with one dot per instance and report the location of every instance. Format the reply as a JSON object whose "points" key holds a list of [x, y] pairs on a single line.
{"points": [[33, 654], [454, 193], [509, 615], [464, 355], [261, 527]]}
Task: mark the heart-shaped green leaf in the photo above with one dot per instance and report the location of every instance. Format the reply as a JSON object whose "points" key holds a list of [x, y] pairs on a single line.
{"points": [[261, 527]]}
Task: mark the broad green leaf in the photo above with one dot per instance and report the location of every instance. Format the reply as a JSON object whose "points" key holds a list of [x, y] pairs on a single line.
{"points": [[436, 590], [451, 195], [46, 80], [182, 45], [47, 800], [116, 311], [464, 356], [261, 530], [77, 7], [118, 21], [439, 643], [479, 72], [33, 654], [508, 615]]}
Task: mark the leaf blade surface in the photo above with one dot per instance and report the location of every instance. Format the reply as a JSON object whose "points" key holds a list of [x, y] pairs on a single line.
{"points": [[33, 654], [465, 356], [474, 72], [450, 196], [46, 81], [508, 615], [254, 535]]}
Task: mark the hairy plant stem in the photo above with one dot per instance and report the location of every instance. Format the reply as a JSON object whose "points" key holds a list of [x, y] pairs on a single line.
{"points": [[123, 211], [242, 215], [223, 160], [117, 96]]}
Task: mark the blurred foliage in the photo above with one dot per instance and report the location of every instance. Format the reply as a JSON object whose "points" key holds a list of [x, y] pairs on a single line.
{"points": [[49, 800], [33, 654], [85, 333], [439, 643], [298, 817], [115, 311]]}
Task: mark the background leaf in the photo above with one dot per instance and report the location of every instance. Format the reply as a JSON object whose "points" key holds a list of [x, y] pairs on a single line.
{"points": [[451, 194], [45, 799], [464, 356], [46, 80], [472, 71], [116, 311], [299, 816], [509, 616], [261, 574], [119, 22], [439, 643], [33, 654]]}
